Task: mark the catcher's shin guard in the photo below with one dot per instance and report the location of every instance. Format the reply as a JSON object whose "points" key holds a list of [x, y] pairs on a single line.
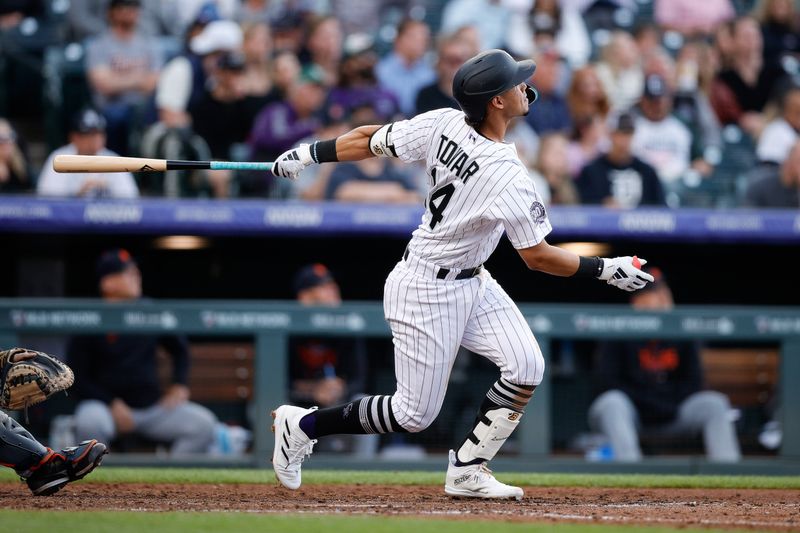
{"points": [[18, 449], [497, 419]]}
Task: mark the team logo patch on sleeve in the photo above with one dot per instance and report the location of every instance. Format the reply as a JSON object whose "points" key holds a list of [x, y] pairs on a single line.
{"points": [[538, 212]]}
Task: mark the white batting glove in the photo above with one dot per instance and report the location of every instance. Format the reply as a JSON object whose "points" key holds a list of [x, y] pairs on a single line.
{"points": [[621, 273], [291, 162]]}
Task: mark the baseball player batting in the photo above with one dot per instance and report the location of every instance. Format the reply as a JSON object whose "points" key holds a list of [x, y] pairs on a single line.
{"points": [[439, 296]]}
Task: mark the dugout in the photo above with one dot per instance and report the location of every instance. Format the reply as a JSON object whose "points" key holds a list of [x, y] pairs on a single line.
{"points": [[251, 250], [271, 324]]}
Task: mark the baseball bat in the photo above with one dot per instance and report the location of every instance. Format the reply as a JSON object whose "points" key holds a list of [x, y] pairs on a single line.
{"points": [[102, 163]]}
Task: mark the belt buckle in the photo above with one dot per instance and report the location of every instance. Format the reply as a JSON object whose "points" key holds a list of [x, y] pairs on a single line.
{"points": [[468, 273]]}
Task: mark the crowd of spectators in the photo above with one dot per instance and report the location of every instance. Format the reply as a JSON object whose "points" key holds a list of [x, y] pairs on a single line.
{"points": [[641, 102]]}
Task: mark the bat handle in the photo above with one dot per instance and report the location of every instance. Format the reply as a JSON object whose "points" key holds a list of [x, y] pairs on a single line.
{"points": [[636, 262], [240, 165]]}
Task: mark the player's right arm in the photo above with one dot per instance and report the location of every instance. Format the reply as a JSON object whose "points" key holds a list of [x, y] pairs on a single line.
{"points": [[525, 219], [352, 146], [404, 139]]}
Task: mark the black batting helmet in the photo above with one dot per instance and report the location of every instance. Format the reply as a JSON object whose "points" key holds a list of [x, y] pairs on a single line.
{"points": [[485, 76]]}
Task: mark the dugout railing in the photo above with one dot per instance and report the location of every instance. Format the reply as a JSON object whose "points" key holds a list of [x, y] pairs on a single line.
{"points": [[271, 323]]}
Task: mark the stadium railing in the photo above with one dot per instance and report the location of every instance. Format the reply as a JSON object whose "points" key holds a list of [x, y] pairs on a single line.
{"points": [[271, 323]]}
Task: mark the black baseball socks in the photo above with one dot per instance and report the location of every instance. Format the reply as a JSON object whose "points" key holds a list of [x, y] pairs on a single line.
{"points": [[370, 414]]}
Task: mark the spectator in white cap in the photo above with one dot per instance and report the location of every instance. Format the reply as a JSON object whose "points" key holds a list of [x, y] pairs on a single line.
{"points": [[181, 87], [87, 137], [182, 80]]}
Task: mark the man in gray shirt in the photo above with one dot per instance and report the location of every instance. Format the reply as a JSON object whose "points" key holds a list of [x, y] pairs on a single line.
{"points": [[87, 18], [777, 186], [123, 68]]}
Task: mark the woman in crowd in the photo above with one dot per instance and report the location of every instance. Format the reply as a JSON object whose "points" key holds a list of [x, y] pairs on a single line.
{"points": [[323, 47], [586, 96], [13, 168], [257, 48], [588, 105], [780, 29], [621, 71], [551, 173]]}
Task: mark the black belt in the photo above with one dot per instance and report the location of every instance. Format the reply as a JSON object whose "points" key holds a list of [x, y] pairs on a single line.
{"points": [[443, 272]]}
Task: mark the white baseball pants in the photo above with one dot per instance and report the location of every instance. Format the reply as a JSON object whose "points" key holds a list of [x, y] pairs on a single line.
{"points": [[430, 318]]}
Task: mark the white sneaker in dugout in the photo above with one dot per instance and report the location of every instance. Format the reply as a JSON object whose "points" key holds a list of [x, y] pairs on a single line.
{"points": [[476, 481], [291, 444]]}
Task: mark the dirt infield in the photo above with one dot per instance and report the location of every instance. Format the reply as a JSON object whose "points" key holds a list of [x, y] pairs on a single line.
{"points": [[722, 508]]}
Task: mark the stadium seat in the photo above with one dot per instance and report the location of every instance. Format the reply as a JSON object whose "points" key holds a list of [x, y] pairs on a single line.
{"points": [[3, 88], [66, 89], [220, 377], [722, 188], [22, 50], [56, 12]]}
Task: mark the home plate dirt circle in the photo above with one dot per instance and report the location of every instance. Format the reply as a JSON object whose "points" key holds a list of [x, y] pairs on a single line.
{"points": [[777, 510]]}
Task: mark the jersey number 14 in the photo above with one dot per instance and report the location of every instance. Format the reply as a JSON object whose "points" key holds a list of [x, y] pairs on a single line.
{"points": [[437, 208]]}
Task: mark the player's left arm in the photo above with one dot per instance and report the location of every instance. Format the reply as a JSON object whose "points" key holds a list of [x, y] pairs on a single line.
{"points": [[622, 272], [550, 259]]}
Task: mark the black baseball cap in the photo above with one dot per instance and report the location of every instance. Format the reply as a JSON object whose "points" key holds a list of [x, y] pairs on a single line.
{"points": [[655, 86], [311, 276], [88, 120], [231, 61], [113, 261], [124, 3], [288, 19], [623, 122]]}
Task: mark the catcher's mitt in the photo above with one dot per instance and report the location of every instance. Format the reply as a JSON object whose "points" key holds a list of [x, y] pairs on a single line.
{"points": [[28, 377]]}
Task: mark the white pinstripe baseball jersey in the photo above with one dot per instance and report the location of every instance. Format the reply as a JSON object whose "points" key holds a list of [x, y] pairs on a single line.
{"points": [[478, 189]]}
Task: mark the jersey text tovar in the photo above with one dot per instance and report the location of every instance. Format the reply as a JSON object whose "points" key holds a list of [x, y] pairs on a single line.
{"points": [[452, 156]]}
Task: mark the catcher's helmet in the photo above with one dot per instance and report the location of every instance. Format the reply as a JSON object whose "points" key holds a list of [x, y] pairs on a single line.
{"points": [[486, 75]]}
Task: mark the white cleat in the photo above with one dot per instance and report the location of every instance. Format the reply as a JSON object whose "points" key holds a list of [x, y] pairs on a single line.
{"points": [[292, 446], [476, 481]]}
